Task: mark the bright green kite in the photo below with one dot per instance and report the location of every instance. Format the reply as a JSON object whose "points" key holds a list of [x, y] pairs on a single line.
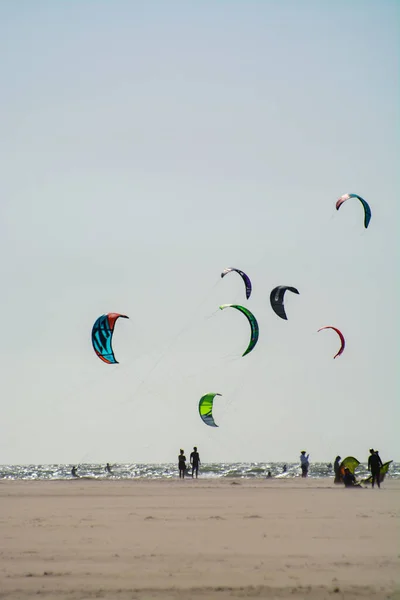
{"points": [[205, 409]]}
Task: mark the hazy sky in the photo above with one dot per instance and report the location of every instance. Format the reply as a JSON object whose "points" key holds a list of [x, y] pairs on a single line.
{"points": [[145, 146]]}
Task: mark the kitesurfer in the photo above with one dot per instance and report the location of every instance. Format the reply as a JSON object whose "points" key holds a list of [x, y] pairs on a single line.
{"points": [[195, 461], [108, 468], [374, 465], [182, 464], [73, 471], [304, 462], [336, 468]]}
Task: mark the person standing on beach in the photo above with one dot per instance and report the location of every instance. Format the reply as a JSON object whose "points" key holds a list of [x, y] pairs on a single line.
{"points": [[336, 468], [195, 461], [374, 465], [182, 464], [304, 463]]}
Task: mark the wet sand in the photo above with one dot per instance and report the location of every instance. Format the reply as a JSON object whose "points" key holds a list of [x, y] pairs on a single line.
{"points": [[192, 540]]}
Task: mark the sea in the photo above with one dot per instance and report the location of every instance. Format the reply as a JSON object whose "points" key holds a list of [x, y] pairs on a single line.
{"points": [[125, 471]]}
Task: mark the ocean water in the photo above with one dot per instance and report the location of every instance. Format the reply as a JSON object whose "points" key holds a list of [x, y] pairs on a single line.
{"points": [[168, 471]]}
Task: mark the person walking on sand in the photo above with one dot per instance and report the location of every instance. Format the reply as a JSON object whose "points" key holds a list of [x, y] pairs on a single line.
{"points": [[195, 461], [336, 468], [304, 463], [182, 464], [374, 465]]}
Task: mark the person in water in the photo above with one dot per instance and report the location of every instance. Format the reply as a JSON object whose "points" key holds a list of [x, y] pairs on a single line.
{"points": [[73, 472], [108, 468], [374, 465], [336, 468], [195, 461], [284, 469], [182, 464], [269, 474], [304, 463]]}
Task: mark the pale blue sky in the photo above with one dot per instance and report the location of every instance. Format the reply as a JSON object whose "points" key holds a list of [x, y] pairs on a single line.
{"points": [[145, 146]]}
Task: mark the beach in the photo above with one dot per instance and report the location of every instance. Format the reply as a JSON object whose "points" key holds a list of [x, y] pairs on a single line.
{"points": [[197, 539]]}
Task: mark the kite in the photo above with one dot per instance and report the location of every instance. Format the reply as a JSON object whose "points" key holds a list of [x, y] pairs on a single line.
{"points": [[382, 473], [253, 325], [245, 278], [340, 334], [367, 210], [102, 333], [205, 409], [276, 299], [350, 463]]}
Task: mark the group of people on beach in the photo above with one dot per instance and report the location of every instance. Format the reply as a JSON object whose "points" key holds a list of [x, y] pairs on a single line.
{"points": [[194, 461], [348, 478], [343, 475]]}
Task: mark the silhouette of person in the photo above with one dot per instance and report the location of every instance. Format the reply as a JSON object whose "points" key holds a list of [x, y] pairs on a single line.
{"points": [[374, 465], [195, 461], [304, 463], [182, 464]]}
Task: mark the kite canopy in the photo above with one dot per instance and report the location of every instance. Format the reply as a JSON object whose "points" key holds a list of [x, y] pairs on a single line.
{"points": [[367, 210], [276, 299], [254, 329], [340, 334], [102, 334], [205, 409], [350, 463], [243, 275]]}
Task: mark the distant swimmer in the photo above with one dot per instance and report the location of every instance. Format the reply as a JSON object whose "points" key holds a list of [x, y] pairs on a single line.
{"points": [[182, 464], [329, 466], [195, 461], [374, 465], [108, 468], [304, 463], [73, 472], [337, 469]]}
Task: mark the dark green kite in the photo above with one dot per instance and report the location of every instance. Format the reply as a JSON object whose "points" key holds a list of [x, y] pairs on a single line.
{"points": [[254, 330]]}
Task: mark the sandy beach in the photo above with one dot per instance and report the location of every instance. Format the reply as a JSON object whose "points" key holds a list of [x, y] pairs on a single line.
{"points": [[210, 538]]}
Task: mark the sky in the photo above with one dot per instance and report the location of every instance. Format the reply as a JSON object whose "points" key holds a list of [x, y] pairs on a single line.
{"points": [[146, 146]]}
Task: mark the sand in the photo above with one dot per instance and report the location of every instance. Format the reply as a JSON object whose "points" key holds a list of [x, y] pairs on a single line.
{"points": [[189, 540]]}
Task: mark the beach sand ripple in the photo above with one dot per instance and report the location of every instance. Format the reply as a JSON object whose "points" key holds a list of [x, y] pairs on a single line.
{"points": [[201, 539]]}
